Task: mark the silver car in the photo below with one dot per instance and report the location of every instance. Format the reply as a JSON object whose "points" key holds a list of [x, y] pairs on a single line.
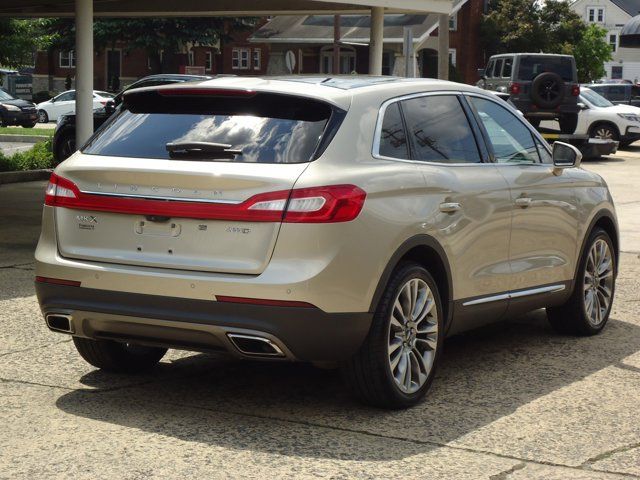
{"points": [[355, 221]]}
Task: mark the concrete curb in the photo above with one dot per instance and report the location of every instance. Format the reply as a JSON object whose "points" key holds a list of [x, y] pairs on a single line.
{"points": [[24, 176], [22, 138]]}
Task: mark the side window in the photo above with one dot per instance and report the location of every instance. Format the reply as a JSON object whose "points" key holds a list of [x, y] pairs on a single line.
{"points": [[72, 96], [65, 97], [498, 70], [489, 72], [439, 131], [393, 139], [617, 93], [508, 67], [511, 140]]}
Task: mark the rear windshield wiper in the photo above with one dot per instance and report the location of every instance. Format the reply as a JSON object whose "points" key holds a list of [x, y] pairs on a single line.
{"points": [[201, 150]]}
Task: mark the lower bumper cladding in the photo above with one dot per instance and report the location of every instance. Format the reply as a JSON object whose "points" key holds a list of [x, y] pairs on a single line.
{"points": [[297, 332]]}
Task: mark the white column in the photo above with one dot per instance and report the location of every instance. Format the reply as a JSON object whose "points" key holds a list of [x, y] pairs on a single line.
{"points": [[443, 47], [376, 38], [84, 70]]}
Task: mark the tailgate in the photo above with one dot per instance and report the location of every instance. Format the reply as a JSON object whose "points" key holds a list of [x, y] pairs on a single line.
{"points": [[156, 237]]}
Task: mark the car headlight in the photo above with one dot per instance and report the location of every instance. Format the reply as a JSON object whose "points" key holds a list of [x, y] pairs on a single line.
{"points": [[632, 117], [11, 108]]}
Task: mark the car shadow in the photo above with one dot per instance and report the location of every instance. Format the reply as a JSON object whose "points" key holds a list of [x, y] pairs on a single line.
{"points": [[484, 375]]}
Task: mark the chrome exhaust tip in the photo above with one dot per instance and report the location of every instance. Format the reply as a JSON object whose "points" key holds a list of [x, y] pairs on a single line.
{"points": [[255, 346], [59, 322]]}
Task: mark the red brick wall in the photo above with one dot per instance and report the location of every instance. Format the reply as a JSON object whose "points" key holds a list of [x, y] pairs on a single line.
{"points": [[469, 55]]}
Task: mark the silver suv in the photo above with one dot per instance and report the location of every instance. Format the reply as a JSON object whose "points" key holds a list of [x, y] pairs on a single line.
{"points": [[356, 221], [542, 86]]}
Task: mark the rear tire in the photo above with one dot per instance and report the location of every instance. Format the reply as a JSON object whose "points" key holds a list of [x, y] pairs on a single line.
{"points": [[403, 332], [535, 122], [118, 357], [66, 146], [28, 125], [568, 123], [587, 311]]}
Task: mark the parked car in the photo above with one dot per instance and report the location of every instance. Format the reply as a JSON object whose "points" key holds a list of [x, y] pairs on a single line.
{"points": [[65, 103], [600, 118], [64, 137], [618, 93], [15, 111], [541, 86], [287, 219]]}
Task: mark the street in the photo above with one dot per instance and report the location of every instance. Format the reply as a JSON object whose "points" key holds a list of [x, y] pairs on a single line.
{"points": [[511, 401]]}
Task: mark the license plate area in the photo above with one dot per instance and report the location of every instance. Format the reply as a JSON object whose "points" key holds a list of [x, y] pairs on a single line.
{"points": [[158, 229]]}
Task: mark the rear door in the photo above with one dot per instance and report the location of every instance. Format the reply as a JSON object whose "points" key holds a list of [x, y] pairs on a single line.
{"points": [[189, 208], [474, 220]]}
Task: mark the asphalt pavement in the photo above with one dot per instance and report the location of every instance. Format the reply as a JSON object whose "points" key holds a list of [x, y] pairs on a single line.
{"points": [[511, 401]]}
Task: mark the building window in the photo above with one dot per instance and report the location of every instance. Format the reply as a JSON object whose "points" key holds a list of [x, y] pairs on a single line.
{"points": [[453, 22], [613, 41], [240, 59], [208, 62], [67, 59], [257, 59], [595, 14], [347, 60], [191, 58], [452, 57], [616, 73]]}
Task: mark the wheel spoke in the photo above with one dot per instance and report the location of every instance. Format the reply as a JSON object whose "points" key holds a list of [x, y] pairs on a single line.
{"points": [[394, 345]]}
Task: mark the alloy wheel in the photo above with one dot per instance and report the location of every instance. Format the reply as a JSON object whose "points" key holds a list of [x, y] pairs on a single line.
{"points": [[598, 282], [413, 335], [604, 133]]}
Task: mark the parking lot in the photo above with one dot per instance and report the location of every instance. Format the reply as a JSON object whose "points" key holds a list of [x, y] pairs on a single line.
{"points": [[511, 401]]}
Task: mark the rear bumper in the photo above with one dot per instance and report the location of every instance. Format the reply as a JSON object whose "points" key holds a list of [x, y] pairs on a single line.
{"points": [[305, 334], [527, 107]]}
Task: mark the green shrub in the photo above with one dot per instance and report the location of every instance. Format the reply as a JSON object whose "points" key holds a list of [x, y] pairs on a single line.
{"points": [[38, 157], [42, 96]]}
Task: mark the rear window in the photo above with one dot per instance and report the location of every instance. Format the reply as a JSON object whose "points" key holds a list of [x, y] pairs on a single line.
{"points": [[531, 66], [263, 128]]}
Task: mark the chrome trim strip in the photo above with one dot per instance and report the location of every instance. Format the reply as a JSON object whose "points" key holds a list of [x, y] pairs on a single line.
{"points": [[519, 294], [277, 350], [173, 199]]}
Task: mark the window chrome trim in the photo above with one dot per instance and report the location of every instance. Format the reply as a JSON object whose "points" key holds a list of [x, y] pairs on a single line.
{"points": [[172, 199], [517, 294]]}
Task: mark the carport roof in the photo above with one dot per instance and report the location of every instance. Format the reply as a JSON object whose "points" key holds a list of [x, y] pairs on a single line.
{"points": [[131, 8]]}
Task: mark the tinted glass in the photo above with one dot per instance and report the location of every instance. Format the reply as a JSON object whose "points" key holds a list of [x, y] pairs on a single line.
{"points": [[439, 131], [498, 69], [508, 67], [511, 140], [393, 139], [545, 156], [618, 92], [263, 128], [65, 97], [531, 66], [5, 96]]}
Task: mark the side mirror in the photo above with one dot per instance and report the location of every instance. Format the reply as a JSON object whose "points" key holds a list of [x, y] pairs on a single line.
{"points": [[481, 73], [110, 107], [582, 106], [565, 156]]}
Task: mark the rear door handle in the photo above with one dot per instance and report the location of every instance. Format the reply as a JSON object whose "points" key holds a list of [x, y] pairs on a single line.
{"points": [[523, 202], [450, 207]]}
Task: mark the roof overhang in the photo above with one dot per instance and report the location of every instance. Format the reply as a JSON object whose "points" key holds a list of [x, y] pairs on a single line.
{"points": [[185, 8]]}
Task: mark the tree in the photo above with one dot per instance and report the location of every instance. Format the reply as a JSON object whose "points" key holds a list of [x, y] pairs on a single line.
{"points": [[591, 52], [20, 40], [154, 35]]}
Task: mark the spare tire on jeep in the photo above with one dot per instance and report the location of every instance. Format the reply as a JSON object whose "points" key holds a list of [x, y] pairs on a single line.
{"points": [[547, 90]]}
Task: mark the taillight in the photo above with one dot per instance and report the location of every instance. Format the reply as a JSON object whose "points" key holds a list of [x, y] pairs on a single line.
{"points": [[330, 204], [515, 88], [60, 192], [104, 103], [575, 90]]}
